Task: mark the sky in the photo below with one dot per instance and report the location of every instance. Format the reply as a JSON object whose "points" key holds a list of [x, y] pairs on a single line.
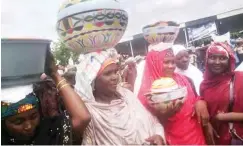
{"points": [[37, 18]]}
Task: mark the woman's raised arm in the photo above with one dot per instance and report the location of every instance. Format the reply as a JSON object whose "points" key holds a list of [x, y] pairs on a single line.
{"points": [[80, 116]]}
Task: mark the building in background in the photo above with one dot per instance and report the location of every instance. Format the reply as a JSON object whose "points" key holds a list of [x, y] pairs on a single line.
{"points": [[192, 33]]}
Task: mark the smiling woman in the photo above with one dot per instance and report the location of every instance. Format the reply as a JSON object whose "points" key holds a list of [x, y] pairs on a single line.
{"points": [[218, 60], [222, 90], [181, 127]]}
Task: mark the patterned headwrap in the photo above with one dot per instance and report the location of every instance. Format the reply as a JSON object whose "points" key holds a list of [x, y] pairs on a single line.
{"points": [[91, 65], [19, 103]]}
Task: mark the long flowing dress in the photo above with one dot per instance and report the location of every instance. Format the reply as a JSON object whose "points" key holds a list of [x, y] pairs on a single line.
{"points": [[122, 122], [182, 128], [215, 91]]}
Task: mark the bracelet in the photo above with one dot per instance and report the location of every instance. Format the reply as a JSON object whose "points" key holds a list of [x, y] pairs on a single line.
{"points": [[60, 82], [63, 86]]}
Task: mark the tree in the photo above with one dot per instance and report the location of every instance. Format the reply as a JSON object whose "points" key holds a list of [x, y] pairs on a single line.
{"points": [[62, 53], [236, 34], [75, 57]]}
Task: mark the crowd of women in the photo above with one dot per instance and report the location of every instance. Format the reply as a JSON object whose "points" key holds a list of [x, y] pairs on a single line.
{"points": [[104, 107]]}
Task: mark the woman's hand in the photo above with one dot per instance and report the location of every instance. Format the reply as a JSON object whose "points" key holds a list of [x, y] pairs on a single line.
{"points": [[80, 116], [221, 116], [167, 109], [210, 134], [160, 107], [156, 140], [130, 73], [228, 117], [50, 66], [202, 112], [127, 86]]}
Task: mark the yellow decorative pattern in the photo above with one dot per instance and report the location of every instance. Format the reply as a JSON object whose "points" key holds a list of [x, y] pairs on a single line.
{"points": [[161, 32], [25, 108], [91, 28], [116, 23], [70, 2], [89, 31], [88, 26]]}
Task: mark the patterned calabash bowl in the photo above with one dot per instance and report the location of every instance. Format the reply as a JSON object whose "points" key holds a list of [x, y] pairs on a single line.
{"points": [[163, 31], [90, 25]]}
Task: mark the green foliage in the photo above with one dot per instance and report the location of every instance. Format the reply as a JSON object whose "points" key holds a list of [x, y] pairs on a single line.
{"points": [[62, 53], [236, 35], [75, 57]]}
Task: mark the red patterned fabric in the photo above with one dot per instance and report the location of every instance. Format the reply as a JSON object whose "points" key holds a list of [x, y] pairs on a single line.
{"points": [[181, 128], [215, 91], [217, 49]]}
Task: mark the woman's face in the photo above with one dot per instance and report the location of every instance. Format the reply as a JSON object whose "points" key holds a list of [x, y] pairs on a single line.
{"points": [[23, 125], [169, 66], [217, 63], [107, 81]]}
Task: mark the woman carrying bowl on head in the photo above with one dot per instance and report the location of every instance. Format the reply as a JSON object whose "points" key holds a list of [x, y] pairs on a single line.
{"points": [[117, 116], [181, 126], [222, 90], [24, 124]]}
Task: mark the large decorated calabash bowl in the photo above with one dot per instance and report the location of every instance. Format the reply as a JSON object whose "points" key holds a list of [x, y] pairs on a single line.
{"points": [[90, 25], [163, 31], [165, 90]]}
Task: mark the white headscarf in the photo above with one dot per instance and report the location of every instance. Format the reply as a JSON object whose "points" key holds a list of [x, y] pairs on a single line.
{"points": [[177, 48], [87, 71], [159, 46], [192, 72]]}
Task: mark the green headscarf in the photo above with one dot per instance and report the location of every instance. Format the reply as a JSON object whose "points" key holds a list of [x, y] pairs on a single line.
{"points": [[25, 104]]}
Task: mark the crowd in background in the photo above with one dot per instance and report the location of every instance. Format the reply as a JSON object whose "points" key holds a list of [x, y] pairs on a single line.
{"points": [[102, 100]]}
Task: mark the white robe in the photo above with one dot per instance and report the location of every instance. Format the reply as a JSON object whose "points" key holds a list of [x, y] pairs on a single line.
{"points": [[194, 73], [124, 121], [140, 70]]}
